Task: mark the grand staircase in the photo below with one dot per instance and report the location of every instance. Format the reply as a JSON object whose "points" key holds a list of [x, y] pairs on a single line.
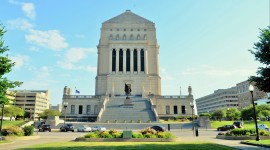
{"points": [[140, 112]]}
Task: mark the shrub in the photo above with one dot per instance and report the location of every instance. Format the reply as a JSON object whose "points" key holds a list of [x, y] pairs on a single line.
{"points": [[28, 130], [148, 130], [91, 135], [263, 132], [12, 130], [246, 132], [117, 135], [137, 135], [105, 134], [221, 133], [112, 131], [149, 135]]}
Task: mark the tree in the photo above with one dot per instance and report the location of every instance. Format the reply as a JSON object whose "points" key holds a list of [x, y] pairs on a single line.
{"points": [[49, 112], [13, 111], [5, 67], [206, 114], [219, 114], [262, 111], [233, 113], [262, 54]]}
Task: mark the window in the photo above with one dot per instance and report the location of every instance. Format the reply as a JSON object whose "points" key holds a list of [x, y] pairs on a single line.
{"points": [[124, 37], [117, 37], [142, 60], [128, 60], [131, 29], [88, 109], [72, 109], [111, 37], [135, 59], [113, 60], [183, 109], [80, 109], [138, 29], [145, 37], [175, 111], [138, 37], [131, 37], [121, 60], [167, 109]]}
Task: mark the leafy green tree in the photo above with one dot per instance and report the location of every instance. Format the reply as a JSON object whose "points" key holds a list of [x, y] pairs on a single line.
{"points": [[13, 111], [49, 112], [262, 111], [206, 114], [262, 54], [219, 114], [233, 113]]}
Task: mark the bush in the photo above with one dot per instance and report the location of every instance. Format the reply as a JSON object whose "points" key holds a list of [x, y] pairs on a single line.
{"points": [[12, 131], [105, 134], [28, 130], [164, 135], [148, 130], [91, 135], [149, 135], [137, 135], [246, 132]]}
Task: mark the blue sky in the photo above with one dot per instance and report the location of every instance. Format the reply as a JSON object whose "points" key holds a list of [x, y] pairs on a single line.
{"points": [[203, 43]]}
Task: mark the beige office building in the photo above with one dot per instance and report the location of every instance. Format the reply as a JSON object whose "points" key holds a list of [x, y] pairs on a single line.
{"points": [[244, 95], [33, 101], [220, 99]]}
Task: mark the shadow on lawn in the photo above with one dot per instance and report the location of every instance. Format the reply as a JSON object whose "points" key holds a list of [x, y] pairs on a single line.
{"points": [[150, 146]]}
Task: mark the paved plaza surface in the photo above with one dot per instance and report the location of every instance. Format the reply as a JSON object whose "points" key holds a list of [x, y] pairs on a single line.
{"points": [[185, 135]]}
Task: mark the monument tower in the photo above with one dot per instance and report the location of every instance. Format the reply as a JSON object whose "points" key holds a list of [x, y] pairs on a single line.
{"points": [[128, 54]]}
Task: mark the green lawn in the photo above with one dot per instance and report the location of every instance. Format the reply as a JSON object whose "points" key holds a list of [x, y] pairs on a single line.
{"points": [[261, 142], [129, 145], [247, 124], [16, 123]]}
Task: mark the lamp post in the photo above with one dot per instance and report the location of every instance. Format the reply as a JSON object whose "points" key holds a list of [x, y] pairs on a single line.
{"points": [[251, 89], [192, 107], [65, 106]]}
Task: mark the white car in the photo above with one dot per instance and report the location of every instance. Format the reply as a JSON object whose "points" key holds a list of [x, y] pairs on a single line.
{"points": [[84, 128], [263, 127], [98, 128]]}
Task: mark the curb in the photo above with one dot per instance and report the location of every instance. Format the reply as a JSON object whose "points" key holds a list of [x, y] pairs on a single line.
{"points": [[261, 145], [126, 140]]}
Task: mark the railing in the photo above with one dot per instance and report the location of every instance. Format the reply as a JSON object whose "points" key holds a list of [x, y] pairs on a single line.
{"points": [[173, 96], [154, 110], [81, 96], [106, 99]]}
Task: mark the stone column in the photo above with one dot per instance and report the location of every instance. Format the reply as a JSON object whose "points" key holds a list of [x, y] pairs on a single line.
{"points": [[131, 61], [145, 62], [139, 60], [117, 61], [124, 61], [110, 62]]}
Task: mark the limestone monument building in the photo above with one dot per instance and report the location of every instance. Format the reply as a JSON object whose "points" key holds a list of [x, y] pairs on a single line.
{"points": [[127, 55]]}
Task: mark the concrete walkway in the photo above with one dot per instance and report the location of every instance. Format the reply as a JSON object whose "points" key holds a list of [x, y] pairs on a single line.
{"points": [[183, 135]]}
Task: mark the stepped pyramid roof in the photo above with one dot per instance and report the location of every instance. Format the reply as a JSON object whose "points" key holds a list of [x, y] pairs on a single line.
{"points": [[130, 18]]}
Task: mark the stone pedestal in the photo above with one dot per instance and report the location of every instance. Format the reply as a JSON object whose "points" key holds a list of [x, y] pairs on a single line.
{"points": [[128, 103]]}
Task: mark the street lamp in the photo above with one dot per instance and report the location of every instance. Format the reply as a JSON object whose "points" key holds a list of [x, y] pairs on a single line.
{"points": [[251, 89], [65, 106], [192, 107]]}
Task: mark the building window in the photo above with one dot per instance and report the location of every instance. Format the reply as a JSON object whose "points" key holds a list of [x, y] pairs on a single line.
{"points": [[113, 60], [72, 109], [117, 37], [131, 37], [80, 109], [138, 37], [88, 109], [135, 60], [124, 37], [145, 37], [111, 37], [183, 109], [142, 60], [175, 111], [167, 109], [121, 60], [128, 60]]}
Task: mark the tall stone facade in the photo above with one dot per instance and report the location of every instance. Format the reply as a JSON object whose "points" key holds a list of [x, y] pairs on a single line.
{"points": [[128, 53]]}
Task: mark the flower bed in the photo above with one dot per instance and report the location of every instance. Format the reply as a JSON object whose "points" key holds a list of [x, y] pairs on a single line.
{"points": [[242, 134]]}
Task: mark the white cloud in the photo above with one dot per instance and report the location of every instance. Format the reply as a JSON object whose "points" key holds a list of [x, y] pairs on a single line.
{"points": [[164, 74], [19, 60], [70, 66], [29, 10], [33, 49], [51, 39], [43, 72], [77, 54], [20, 23]]}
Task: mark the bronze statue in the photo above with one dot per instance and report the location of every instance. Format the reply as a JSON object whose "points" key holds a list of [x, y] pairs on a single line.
{"points": [[127, 90]]}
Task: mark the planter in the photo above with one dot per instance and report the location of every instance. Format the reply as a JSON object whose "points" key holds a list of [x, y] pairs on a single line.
{"points": [[240, 137], [125, 140]]}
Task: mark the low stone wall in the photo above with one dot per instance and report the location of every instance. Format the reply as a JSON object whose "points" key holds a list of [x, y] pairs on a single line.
{"points": [[126, 140], [240, 137]]}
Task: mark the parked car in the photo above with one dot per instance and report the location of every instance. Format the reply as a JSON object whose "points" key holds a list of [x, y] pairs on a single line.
{"points": [[83, 128], [238, 124], [45, 127], [158, 128], [67, 127], [226, 128], [98, 128], [263, 127]]}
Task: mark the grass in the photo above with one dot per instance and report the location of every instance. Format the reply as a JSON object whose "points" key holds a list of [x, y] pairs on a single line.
{"points": [[129, 145], [15, 123], [261, 142], [247, 124]]}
